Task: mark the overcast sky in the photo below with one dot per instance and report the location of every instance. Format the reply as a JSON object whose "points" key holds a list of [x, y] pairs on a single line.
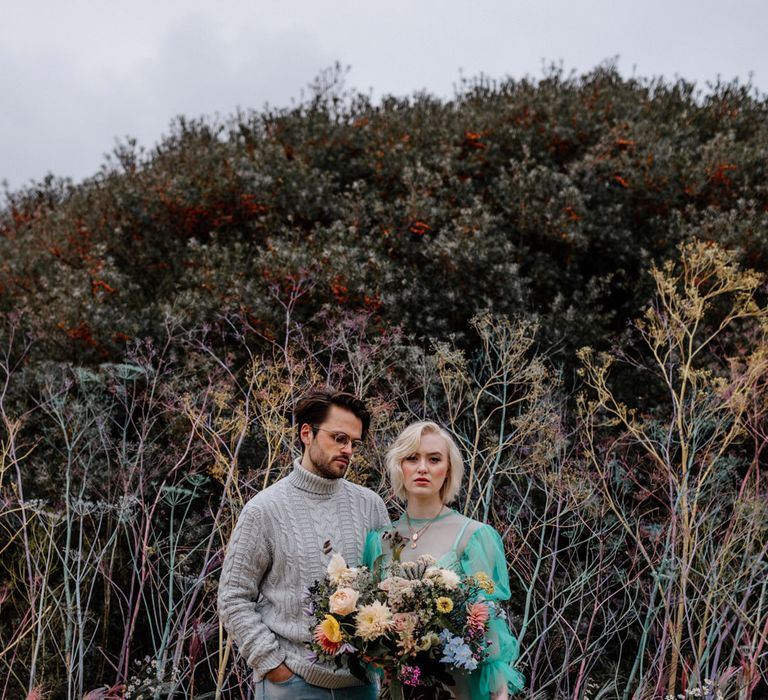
{"points": [[76, 75]]}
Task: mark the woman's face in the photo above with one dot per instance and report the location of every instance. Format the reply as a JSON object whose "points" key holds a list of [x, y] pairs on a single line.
{"points": [[425, 470]]}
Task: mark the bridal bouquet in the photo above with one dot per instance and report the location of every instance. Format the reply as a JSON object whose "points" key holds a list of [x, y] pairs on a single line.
{"points": [[415, 621]]}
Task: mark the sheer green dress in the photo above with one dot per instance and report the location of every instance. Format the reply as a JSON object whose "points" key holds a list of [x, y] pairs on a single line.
{"points": [[468, 547]]}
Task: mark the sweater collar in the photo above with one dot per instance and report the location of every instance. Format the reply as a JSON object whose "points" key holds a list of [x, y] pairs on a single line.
{"points": [[307, 481]]}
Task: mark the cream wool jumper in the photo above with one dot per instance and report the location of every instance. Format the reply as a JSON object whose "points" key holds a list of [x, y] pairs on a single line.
{"points": [[276, 553]]}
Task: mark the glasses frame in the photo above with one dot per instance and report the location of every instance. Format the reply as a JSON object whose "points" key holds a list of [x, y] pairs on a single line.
{"points": [[341, 438]]}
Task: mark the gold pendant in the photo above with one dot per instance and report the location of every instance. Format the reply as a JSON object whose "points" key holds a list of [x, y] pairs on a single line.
{"points": [[413, 545]]}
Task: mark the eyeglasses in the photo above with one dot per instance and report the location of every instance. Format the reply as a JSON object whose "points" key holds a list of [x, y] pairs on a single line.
{"points": [[341, 439]]}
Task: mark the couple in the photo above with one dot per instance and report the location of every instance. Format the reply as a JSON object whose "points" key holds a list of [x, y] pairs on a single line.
{"points": [[285, 535]]}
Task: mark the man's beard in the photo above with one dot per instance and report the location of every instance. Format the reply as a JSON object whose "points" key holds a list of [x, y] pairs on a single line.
{"points": [[322, 464]]}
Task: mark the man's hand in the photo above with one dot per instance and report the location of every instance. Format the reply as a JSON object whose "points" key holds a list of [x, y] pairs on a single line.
{"points": [[279, 675]]}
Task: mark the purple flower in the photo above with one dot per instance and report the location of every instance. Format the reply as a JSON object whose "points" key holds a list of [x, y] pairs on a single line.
{"points": [[309, 604]]}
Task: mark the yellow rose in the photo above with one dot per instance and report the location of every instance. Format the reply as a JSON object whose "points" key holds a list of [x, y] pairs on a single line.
{"points": [[444, 605], [343, 601], [331, 629]]}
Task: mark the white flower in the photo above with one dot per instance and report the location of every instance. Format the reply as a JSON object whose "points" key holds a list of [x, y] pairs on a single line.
{"points": [[349, 577], [337, 568], [428, 641], [373, 620], [427, 560], [444, 577]]}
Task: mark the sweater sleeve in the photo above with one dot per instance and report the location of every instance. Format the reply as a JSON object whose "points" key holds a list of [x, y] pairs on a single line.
{"points": [[247, 560], [485, 553]]}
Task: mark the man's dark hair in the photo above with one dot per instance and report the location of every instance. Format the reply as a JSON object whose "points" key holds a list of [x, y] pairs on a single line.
{"points": [[313, 408]]}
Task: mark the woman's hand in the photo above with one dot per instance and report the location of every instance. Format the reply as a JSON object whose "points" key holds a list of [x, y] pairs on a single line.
{"points": [[500, 694]]}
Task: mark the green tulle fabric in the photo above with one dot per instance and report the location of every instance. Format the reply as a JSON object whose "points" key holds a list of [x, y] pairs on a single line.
{"points": [[484, 551]]}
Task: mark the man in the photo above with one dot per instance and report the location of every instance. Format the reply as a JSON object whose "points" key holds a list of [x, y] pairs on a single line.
{"points": [[282, 543]]}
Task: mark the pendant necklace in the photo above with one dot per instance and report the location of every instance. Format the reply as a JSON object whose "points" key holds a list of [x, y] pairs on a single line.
{"points": [[415, 534]]}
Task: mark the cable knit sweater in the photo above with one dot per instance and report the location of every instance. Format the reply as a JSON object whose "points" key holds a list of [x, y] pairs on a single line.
{"points": [[276, 553]]}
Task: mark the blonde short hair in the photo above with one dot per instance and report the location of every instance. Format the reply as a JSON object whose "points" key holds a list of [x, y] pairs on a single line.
{"points": [[407, 443]]}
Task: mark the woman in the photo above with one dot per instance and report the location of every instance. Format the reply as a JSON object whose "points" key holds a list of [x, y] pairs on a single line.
{"points": [[425, 470]]}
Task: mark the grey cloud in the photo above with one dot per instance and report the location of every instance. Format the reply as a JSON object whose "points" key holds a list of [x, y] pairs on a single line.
{"points": [[77, 76]]}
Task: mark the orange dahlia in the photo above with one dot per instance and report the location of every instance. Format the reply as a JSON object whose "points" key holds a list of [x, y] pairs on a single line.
{"points": [[328, 635]]}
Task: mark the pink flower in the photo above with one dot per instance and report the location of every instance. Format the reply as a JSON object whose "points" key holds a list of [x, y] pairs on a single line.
{"points": [[396, 587], [477, 616], [343, 601], [404, 621], [410, 675]]}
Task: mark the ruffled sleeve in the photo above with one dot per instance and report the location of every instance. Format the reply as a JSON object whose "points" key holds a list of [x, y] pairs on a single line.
{"points": [[371, 552], [372, 549], [484, 552]]}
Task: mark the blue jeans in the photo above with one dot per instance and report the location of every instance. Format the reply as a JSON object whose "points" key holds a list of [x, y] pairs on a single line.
{"points": [[296, 688]]}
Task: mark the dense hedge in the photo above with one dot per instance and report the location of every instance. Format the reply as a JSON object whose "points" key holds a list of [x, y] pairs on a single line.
{"points": [[545, 198]]}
